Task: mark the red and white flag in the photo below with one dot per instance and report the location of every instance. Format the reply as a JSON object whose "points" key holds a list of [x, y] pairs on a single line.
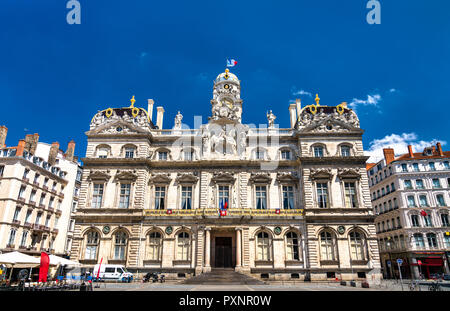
{"points": [[423, 213], [231, 62]]}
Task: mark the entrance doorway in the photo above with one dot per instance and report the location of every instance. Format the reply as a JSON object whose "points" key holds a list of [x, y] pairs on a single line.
{"points": [[223, 252]]}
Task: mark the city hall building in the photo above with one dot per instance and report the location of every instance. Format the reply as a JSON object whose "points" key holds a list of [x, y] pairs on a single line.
{"points": [[277, 204]]}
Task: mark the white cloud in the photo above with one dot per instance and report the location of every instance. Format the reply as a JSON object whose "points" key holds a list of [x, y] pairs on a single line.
{"points": [[392, 90], [302, 92], [372, 100], [399, 143]]}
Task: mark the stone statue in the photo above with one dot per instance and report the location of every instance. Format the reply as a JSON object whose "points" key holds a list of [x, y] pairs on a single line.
{"points": [[178, 119], [270, 118], [205, 141], [230, 141]]}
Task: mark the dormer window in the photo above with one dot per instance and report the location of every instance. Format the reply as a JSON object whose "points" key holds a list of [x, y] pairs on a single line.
{"points": [[318, 152], [285, 154], [162, 156], [345, 151], [446, 165], [404, 168], [129, 153], [432, 167]]}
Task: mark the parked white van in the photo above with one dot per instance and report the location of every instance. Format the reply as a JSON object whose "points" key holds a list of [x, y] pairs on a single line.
{"points": [[112, 272]]}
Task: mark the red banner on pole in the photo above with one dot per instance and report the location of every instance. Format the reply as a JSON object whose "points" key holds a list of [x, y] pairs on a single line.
{"points": [[98, 272], [43, 268]]}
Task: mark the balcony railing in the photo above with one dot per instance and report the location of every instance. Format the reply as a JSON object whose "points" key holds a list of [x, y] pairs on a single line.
{"points": [[16, 222], [230, 212], [28, 225]]}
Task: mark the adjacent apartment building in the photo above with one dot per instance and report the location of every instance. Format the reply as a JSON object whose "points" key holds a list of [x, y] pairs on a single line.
{"points": [[37, 186], [411, 197], [279, 204]]}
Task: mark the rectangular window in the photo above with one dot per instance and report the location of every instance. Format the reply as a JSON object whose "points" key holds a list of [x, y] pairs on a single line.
{"points": [[224, 196], [12, 237], [259, 154], [427, 221], [416, 167], [261, 199], [431, 239], [97, 196], [285, 155], [423, 200], [129, 153], [160, 194], [50, 203], [16, 213], [23, 241], [446, 165], [446, 241], [350, 195], [36, 178], [41, 200], [28, 216], [408, 184], [2, 169], [38, 218], [419, 184], [288, 197], [318, 151], [432, 167], [32, 195], [47, 221], [22, 192], [415, 221], [162, 156], [186, 197], [125, 190], [345, 151], [102, 153], [322, 195], [404, 168], [418, 238], [444, 219], [440, 200], [411, 201], [436, 183], [25, 173]]}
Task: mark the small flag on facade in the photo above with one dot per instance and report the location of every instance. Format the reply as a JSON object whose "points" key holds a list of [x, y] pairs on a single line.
{"points": [[231, 62], [277, 211], [423, 213], [223, 212], [169, 211]]}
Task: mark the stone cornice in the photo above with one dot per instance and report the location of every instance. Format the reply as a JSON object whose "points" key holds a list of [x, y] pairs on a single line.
{"points": [[334, 160]]}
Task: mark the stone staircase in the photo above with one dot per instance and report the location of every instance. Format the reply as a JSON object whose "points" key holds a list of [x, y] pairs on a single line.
{"points": [[223, 276]]}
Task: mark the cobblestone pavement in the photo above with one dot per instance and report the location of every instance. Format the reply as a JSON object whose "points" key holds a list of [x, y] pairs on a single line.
{"points": [[136, 286]]}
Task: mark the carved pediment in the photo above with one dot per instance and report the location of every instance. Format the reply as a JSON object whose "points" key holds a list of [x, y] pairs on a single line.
{"points": [[186, 178], [328, 120], [286, 177], [260, 178], [160, 178], [117, 127], [125, 176], [223, 177], [349, 173], [321, 173], [99, 176]]}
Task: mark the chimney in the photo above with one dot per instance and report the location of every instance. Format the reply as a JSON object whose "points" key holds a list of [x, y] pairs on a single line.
{"points": [[388, 155], [410, 151], [159, 117], [3, 133], [298, 103], [434, 149], [31, 142], [150, 109], [70, 150], [20, 148], [53, 153], [439, 148], [292, 114]]}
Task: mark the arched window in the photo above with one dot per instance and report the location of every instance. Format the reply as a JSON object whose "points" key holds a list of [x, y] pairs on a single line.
{"points": [[154, 246], [327, 246], [357, 246], [91, 245], [184, 243], [129, 151], [432, 241], [120, 245], [263, 246], [292, 246], [103, 151]]}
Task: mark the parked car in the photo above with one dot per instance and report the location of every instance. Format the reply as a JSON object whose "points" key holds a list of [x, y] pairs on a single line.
{"points": [[112, 272]]}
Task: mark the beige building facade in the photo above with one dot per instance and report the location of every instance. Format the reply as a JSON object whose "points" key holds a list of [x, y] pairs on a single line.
{"points": [[37, 182], [278, 204]]}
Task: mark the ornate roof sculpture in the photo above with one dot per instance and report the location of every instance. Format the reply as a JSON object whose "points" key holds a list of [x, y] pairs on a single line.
{"points": [[107, 120], [317, 118]]}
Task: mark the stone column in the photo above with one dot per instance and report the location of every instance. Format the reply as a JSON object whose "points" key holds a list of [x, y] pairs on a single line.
{"points": [[238, 249], [207, 267]]}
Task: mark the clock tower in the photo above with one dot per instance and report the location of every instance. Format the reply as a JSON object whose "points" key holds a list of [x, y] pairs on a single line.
{"points": [[226, 102]]}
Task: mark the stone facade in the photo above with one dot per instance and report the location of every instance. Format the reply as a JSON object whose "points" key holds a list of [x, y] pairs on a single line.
{"points": [[152, 198]]}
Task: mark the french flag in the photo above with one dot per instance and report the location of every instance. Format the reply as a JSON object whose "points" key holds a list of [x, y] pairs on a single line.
{"points": [[231, 62]]}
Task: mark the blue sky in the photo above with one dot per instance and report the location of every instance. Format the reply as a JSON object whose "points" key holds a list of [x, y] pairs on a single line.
{"points": [[55, 76]]}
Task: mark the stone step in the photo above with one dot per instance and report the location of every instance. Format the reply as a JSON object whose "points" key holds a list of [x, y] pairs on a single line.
{"points": [[223, 276]]}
